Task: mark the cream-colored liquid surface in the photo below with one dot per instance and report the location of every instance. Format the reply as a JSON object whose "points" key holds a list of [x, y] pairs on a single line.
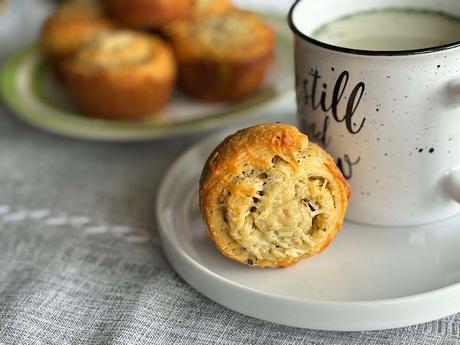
{"points": [[390, 29]]}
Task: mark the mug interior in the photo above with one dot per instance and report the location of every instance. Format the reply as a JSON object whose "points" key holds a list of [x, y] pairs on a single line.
{"points": [[307, 16]]}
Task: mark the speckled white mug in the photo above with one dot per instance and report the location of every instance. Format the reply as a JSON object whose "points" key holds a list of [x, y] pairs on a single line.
{"points": [[391, 119]]}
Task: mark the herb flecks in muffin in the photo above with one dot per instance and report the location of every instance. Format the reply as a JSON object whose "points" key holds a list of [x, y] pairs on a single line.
{"points": [[226, 31], [270, 196]]}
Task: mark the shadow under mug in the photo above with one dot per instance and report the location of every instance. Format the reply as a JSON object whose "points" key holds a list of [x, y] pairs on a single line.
{"points": [[391, 119]]}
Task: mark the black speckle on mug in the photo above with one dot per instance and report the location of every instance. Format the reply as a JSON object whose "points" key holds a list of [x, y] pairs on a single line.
{"points": [[420, 150], [324, 85], [377, 109], [450, 139], [386, 154], [431, 150], [377, 181], [438, 66], [378, 139], [388, 77], [332, 69]]}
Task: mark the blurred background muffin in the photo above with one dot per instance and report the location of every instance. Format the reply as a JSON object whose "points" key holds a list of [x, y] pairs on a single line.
{"points": [[211, 6], [222, 56], [121, 75], [70, 26], [199, 8], [151, 14]]}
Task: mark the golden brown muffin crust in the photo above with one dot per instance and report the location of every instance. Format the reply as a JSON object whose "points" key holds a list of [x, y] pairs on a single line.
{"points": [[71, 26], [125, 52], [147, 13], [80, 9], [122, 74], [270, 198], [203, 7], [223, 56], [235, 35]]}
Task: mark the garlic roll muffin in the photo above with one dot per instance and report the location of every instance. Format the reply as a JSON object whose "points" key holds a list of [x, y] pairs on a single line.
{"points": [[222, 56], [147, 13], [121, 75], [270, 198], [72, 25]]}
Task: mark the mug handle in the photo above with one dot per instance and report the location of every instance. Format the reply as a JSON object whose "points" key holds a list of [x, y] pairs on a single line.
{"points": [[452, 184]]}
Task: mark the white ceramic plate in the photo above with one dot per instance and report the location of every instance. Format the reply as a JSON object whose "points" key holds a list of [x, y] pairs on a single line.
{"points": [[30, 88], [367, 279]]}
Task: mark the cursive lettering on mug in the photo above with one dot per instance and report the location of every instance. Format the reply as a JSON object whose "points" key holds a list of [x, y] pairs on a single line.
{"points": [[320, 135], [345, 165], [310, 97], [308, 94]]}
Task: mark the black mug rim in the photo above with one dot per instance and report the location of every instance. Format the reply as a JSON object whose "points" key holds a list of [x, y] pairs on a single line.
{"points": [[364, 52]]}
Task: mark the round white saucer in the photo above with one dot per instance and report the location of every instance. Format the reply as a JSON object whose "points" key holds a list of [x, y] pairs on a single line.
{"points": [[369, 278]]}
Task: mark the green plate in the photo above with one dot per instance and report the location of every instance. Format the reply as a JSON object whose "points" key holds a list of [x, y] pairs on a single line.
{"points": [[29, 87]]}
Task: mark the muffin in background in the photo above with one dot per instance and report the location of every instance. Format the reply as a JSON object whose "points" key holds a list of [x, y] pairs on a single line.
{"points": [[200, 8], [72, 25], [121, 75], [222, 56], [211, 6], [151, 14]]}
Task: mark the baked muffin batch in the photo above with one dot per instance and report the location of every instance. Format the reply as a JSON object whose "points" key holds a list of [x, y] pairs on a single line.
{"points": [[114, 70], [268, 197]]}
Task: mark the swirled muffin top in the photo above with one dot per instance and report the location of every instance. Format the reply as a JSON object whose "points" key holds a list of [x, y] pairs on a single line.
{"points": [[269, 197]]}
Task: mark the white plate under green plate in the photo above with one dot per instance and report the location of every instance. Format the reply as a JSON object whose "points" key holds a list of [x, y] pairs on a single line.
{"points": [[31, 90]]}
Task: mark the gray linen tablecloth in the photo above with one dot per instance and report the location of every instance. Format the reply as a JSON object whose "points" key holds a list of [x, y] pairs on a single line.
{"points": [[81, 263]]}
